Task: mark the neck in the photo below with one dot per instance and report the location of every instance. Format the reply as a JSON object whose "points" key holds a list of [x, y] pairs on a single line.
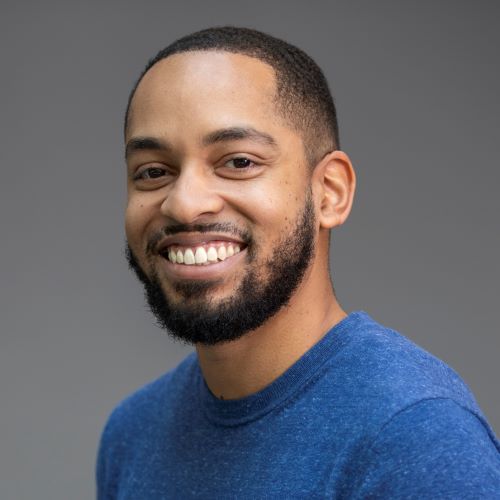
{"points": [[236, 369]]}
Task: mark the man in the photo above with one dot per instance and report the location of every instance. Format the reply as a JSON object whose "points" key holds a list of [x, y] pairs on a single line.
{"points": [[235, 178]]}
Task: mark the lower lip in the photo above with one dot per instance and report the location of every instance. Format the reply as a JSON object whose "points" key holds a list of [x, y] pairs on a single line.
{"points": [[202, 272]]}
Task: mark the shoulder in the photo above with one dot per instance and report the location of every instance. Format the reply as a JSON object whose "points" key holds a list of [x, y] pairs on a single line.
{"points": [[387, 367], [151, 400], [434, 448], [378, 373], [134, 421], [417, 424]]}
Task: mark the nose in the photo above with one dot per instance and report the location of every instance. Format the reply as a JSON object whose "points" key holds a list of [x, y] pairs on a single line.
{"points": [[191, 196]]}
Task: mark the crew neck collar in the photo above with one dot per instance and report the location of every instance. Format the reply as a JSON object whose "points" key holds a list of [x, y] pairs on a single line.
{"points": [[240, 411]]}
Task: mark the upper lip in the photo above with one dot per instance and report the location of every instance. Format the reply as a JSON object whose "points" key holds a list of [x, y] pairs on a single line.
{"points": [[195, 239]]}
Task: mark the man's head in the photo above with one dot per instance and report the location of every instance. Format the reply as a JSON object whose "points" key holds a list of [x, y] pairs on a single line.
{"points": [[226, 220], [302, 98]]}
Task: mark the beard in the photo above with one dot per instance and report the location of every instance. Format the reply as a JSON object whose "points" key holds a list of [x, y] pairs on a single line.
{"points": [[263, 290]]}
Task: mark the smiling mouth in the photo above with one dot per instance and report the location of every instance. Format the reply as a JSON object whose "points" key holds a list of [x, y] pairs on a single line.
{"points": [[202, 255]]}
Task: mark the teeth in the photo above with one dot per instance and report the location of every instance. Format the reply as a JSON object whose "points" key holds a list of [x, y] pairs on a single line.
{"points": [[221, 253], [200, 257], [212, 255], [172, 257], [189, 258], [180, 257]]}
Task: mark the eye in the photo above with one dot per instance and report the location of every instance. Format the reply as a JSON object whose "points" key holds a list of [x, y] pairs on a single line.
{"points": [[152, 176], [239, 163], [240, 167], [150, 173]]}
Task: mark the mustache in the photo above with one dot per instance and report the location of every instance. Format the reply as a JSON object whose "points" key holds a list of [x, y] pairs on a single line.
{"points": [[215, 227]]}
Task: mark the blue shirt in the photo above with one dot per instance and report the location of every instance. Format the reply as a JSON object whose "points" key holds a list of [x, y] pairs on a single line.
{"points": [[365, 413]]}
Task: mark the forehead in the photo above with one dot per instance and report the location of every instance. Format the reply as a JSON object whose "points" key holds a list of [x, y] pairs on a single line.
{"points": [[203, 90]]}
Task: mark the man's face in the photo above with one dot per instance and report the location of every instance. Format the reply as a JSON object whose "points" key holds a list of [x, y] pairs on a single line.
{"points": [[220, 219]]}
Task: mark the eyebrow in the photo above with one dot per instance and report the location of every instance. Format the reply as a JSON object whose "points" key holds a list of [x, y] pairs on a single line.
{"points": [[145, 144], [238, 134], [221, 135]]}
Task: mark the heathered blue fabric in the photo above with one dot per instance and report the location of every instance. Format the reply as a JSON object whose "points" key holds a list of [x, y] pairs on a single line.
{"points": [[365, 413]]}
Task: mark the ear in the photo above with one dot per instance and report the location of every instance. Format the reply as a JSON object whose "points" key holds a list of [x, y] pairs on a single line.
{"points": [[334, 183]]}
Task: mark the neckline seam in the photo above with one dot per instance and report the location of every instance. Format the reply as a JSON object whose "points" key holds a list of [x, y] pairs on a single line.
{"points": [[211, 415], [228, 422]]}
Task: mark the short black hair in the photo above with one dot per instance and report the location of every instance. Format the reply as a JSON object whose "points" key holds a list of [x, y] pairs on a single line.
{"points": [[303, 97]]}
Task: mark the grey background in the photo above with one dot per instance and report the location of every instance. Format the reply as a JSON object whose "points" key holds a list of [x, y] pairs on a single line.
{"points": [[416, 86]]}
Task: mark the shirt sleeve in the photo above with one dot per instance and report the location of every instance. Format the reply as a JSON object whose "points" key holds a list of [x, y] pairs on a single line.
{"points": [[109, 459], [433, 449], [102, 472]]}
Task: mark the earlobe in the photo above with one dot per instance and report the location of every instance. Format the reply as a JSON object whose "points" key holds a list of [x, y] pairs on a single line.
{"points": [[335, 181]]}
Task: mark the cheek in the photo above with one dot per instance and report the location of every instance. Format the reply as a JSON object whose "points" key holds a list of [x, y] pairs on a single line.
{"points": [[136, 219], [278, 210], [262, 204]]}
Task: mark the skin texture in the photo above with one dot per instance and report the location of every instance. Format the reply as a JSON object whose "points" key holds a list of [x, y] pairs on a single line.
{"points": [[191, 180]]}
